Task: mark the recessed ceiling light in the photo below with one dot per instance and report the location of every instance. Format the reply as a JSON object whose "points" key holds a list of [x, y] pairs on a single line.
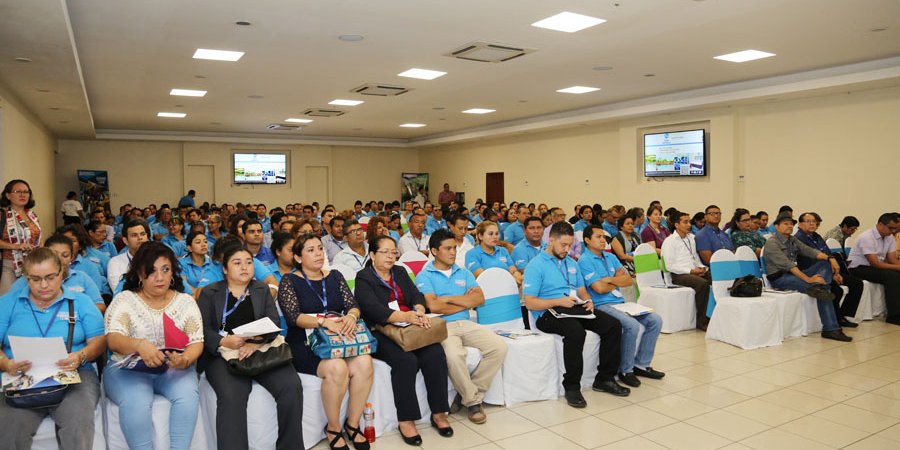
{"points": [[296, 120], [179, 106], [744, 56], [23, 59], [342, 102], [479, 111], [422, 74], [412, 125], [243, 23], [578, 90], [217, 55], [568, 22], [602, 68], [351, 37], [171, 114], [187, 92]]}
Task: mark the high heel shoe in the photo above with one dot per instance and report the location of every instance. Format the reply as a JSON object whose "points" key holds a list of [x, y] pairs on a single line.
{"points": [[445, 432], [337, 436], [414, 440], [353, 433]]}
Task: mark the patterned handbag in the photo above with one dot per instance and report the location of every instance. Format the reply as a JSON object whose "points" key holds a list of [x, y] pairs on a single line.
{"points": [[327, 344]]}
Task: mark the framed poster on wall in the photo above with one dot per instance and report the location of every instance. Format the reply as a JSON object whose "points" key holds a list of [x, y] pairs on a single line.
{"points": [[414, 187], [94, 187]]}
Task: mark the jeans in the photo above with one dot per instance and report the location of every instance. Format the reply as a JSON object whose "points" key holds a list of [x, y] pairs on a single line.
{"points": [[133, 392], [790, 281], [634, 354]]}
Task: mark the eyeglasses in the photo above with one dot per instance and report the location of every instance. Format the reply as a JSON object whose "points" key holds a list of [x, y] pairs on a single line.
{"points": [[20, 192], [810, 221], [387, 252], [356, 230], [744, 220], [48, 278], [714, 213]]}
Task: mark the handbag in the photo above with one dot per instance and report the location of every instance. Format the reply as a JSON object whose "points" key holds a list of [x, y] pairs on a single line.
{"points": [[268, 356], [327, 344], [414, 337], [43, 397], [746, 286]]}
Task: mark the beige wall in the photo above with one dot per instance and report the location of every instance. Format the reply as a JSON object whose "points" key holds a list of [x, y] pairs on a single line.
{"points": [[26, 152], [142, 172]]}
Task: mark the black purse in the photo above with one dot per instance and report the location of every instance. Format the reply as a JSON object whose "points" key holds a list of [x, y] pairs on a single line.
{"points": [[746, 286], [44, 397], [267, 357]]}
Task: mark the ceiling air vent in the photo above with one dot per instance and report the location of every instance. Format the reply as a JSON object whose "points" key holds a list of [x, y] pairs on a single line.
{"points": [[282, 127], [323, 112], [487, 52], [381, 90]]}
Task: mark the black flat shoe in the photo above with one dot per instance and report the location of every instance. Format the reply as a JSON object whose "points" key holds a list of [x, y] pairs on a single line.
{"points": [[575, 399], [445, 432], [337, 436], [611, 387], [649, 373], [629, 379], [415, 441], [846, 323], [353, 433], [836, 335]]}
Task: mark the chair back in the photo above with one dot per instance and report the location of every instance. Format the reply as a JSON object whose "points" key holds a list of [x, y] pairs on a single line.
{"points": [[748, 260], [414, 260], [364, 222], [835, 247], [502, 307], [646, 266], [724, 267], [348, 273], [412, 276]]}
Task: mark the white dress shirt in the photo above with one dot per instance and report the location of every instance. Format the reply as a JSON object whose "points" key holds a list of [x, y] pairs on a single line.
{"points": [[680, 254], [408, 243], [117, 268], [348, 257]]}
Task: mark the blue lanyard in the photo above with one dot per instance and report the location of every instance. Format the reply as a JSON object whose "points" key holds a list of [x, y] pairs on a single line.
{"points": [[565, 273], [361, 263], [225, 314], [324, 296], [605, 264], [52, 318], [392, 286], [193, 271]]}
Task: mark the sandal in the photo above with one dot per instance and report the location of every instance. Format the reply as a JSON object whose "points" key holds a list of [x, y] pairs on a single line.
{"points": [[337, 436], [353, 433]]}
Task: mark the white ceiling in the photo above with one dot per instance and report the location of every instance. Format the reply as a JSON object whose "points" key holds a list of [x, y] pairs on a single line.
{"points": [[131, 53]]}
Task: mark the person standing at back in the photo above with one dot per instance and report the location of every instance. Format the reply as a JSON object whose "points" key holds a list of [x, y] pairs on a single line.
{"points": [[71, 209]]}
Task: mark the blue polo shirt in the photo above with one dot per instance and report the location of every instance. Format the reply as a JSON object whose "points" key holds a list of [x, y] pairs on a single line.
{"points": [[610, 228], [432, 225], [94, 270], [477, 258], [278, 275], [178, 246], [106, 248], [266, 224], [514, 233], [265, 256], [159, 228], [580, 225], [593, 268], [17, 319], [432, 281], [200, 276], [524, 252], [211, 241], [712, 239], [547, 277], [76, 283]]}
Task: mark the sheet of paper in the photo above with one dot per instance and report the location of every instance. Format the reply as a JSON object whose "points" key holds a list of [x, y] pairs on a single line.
{"points": [[42, 352], [632, 309], [257, 328]]}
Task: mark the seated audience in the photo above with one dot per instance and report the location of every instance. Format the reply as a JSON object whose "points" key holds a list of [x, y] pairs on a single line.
{"points": [[214, 233], [531, 246], [197, 268], [626, 241], [435, 221], [253, 239], [515, 232], [842, 231], [376, 227], [357, 252], [585, 214], [655, 231], [489, 254], [698, 221], [415, 240], [741, 233], [134, 233], [710, 238], [175, 238], [459, 226], [874, 258], [679, 252], [611, 224], [282, 248]]}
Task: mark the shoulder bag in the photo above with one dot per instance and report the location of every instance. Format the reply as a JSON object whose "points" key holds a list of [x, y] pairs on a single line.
{"points": [[268, 356], [413, 337], [327, 344]]}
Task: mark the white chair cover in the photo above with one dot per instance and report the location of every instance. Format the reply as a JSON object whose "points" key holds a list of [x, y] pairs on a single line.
{"points": [[871, 304], [590, 357], [115, 440], [799, 312], [675, 306], [364, 222], [45, 437], [529, 372], [348, 273]]}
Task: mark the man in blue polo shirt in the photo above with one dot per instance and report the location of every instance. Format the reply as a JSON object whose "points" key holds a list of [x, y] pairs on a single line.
{"points": [[435, 221], [710, 238], [253, 239], [515, 232], [604, 275], [553, 279], [532, 245], [451, 291]]}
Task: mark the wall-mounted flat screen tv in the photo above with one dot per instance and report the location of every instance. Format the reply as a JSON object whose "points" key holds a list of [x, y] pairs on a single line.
{"points": [[260, 168], [675, 154]]}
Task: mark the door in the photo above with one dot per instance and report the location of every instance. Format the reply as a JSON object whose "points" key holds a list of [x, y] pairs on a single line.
{"points": [[201, 178], [493, 187], [317, 186]]}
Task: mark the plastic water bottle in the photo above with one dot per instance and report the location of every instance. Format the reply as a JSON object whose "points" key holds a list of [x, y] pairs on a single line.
{"points": [[369, 416]]}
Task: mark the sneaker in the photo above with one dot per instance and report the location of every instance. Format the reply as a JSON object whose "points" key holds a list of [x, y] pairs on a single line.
{"points": [[476, 415], [836, 335], [575, 399], [456, 405], [820, 292], [611, 387], [649, 373], [629, 379]]}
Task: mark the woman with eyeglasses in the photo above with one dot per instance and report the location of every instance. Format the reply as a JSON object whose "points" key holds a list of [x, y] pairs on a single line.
{"points": [[386, 295], [42, 310], [175, 239], [214, 232], [20, 231], [741, 233]]}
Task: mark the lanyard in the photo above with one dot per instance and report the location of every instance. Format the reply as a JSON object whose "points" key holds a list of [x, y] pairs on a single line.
{"points": [[356, 257], [225, 314], [193, 270], [392, 286], [565, 272], [52, 318], [602, 259], [684, 240], [324, 296]]}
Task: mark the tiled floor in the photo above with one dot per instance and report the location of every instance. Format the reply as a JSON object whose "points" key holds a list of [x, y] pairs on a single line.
{"points": [[808, 393]]}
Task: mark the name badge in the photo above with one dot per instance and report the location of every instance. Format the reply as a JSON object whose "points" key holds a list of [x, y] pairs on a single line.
{"points": [[503, 259], [616, 293], [573, 293], [394, 305], [461, 282], [223, 333], [65, 316], [572, 270]]}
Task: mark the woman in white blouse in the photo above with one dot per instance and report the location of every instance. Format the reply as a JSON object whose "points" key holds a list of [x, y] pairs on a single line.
{"points": [[154, 319]]}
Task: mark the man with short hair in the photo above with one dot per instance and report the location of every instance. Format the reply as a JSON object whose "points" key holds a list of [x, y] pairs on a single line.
{"points": [[435, 221], [446, 196], [515, 232], [780, 254], [611, 224], [874, 258], [253, 240], [531, 246], [160, 229], [308, 212], [451, 290], [188, 200], [327, 215], [134, 233], [843, 231], [357, 252], [710, 238], [458, 225], [679, 251], [334, 242], [415, 240], [558, 215], [553, 280]]}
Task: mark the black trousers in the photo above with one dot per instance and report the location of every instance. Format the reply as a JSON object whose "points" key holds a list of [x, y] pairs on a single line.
{"points": [[404, 368], [232, 392], [700, 285], [574, 332], [71, 219], [891, 281], [848, 307]]}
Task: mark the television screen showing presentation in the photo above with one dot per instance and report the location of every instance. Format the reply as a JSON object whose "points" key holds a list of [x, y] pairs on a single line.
{"points": [[675, 154], [260, 168]]}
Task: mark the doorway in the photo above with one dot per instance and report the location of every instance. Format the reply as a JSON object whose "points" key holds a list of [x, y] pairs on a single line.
{"points": [[493, 187]]}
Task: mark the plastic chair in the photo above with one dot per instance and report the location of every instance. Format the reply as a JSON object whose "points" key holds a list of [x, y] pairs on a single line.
{"points": [[348, 273], [414, 260], [799, 312], [675, 306]]}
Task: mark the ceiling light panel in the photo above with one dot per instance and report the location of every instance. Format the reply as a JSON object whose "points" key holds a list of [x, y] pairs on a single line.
{"points": [[568, 22], [412, 125], [217, 55], [296, 120], [171, 114], [578, 90], [744, 56], [343, 102], [187, 93], [479, 111], [422, 74]]}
